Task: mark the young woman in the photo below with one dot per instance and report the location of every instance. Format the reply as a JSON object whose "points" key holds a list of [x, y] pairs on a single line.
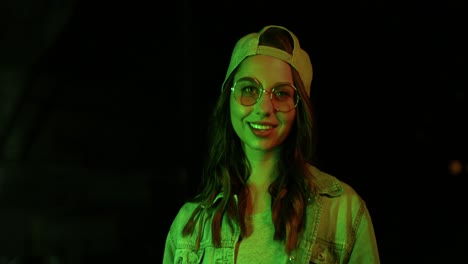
{"points": [[262, 200]]}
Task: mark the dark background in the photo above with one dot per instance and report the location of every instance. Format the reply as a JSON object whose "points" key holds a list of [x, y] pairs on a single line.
{"points": [[104, 106]]}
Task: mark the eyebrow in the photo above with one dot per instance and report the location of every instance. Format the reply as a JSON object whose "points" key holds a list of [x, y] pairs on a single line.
{"points": [[249, 78]]}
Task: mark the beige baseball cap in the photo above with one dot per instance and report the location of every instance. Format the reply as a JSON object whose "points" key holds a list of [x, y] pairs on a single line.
{"points": [[248, 46]]}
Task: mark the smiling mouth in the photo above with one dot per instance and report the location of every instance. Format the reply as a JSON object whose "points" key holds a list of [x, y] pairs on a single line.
{"points": [[260, 127]]}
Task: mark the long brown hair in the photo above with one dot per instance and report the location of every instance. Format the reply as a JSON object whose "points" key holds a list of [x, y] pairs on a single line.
{"points": [[226, 168]]}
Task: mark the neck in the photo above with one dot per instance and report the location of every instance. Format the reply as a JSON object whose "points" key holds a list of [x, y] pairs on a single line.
{"points": [[263, 173], [263, 168]]}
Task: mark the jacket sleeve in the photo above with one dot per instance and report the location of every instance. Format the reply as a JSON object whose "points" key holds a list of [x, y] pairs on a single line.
{"points": [[365, 248], [169, 250]]}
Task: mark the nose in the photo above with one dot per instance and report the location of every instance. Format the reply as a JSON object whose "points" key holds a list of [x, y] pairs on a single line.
{"points": [[264, 104]]}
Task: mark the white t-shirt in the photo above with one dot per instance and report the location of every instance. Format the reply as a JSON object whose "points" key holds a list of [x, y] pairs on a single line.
{"points": [[259, 247]]}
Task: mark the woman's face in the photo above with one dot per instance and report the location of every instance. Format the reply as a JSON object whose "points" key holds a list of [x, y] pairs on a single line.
{"points": [[260, 126]]}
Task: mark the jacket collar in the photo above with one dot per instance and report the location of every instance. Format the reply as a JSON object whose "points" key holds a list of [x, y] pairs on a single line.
{"points": [[325, 184]]}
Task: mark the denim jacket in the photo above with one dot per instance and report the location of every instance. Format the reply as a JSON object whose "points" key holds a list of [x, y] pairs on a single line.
{"points": [[338, 230]]}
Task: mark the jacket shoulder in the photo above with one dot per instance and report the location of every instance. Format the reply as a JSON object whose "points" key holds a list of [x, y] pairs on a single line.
{"points": [[183, 215], [329, 185]]}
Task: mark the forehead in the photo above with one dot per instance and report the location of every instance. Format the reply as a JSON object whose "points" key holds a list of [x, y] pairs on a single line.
{"points": [[266, 69]]}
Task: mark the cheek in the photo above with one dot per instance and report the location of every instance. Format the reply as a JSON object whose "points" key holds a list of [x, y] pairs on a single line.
{"points": [[237, 112], [288, 120], [234, 112]]}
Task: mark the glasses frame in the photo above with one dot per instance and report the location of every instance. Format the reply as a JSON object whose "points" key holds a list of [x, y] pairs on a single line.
{"points": [[263, 90]]}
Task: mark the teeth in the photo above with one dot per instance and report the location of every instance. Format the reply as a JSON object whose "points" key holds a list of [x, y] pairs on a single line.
{"points": [[258, 126]]}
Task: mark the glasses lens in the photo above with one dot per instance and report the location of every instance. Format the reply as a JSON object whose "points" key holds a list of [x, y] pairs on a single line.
{"points": [[246, 92], [284, 97]]}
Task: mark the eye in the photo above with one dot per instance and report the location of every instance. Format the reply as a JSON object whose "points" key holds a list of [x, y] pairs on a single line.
{"points": [[284, 92], [248, 88]]}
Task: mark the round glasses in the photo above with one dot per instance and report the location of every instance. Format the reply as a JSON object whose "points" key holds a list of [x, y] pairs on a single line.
{"points": [[283, 97]]}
